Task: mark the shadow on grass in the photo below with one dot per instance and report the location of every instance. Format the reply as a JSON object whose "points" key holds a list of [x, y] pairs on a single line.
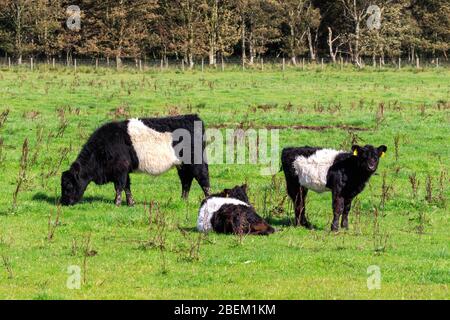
{"points": [[288, 222], [42, 197], [189, 229]]}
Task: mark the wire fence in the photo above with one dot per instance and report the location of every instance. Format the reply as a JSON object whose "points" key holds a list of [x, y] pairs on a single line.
{"points": [[234, 63]]}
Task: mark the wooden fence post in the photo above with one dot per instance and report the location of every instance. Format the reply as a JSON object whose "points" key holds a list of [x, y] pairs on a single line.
{"points": [[284, 64], [31, 64], [399, 63]]}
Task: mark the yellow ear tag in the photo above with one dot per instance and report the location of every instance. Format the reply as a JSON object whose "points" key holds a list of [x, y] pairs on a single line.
{"points": [[383, 154], [355, 153]]}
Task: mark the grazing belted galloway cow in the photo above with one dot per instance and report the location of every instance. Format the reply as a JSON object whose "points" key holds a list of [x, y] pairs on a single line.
{"points": [[345, 174], [145, 145], [230, 212]]}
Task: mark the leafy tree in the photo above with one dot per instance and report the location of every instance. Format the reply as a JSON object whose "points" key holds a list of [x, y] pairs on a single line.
{"points": [[16, 17]]}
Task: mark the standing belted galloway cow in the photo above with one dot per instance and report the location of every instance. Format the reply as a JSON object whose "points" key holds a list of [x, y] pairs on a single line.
{"points": [[138, 145], [345, 174]]}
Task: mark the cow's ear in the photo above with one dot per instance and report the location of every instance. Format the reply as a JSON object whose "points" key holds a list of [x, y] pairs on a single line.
{"points": [[244, 187], [356, 150], [382, 150], [75, 168]]}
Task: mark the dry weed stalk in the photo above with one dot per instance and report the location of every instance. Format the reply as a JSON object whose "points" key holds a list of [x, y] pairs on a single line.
{"points": [[3, 117], [385, 191], [429, 189], [22, 177], [414, 185], [8, 266], [397, 146], [52, 225]]}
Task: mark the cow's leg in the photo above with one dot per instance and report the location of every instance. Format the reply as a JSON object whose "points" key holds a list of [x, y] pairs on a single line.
{"points": [[130, 200], [347, 207], [338, 209], [186, 177], [118, 199], [298, 195], [300, 208], [201, 174], [119, 184]]}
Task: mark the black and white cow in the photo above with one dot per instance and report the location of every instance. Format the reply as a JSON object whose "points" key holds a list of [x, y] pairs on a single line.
{"points": [[145, 145], [230, 212], [345, 174]]}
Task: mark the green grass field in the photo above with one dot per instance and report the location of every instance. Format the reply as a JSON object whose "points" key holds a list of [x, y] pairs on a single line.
{"points": [[122, 255]]}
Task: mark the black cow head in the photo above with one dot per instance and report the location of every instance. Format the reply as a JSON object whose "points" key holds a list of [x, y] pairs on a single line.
{"points": [[238, 192], [368, 157], [71, 186]]}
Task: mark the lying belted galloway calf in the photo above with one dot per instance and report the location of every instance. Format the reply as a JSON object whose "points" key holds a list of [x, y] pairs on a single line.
{"points": [[230, 212], [345, 174], [145, 145]]}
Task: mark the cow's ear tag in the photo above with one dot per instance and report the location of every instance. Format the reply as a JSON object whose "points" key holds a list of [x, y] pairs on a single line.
{"points": [[355, 153], [228, 195], [383, 154]]}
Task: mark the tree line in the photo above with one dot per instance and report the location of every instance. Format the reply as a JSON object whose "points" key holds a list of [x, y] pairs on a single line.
{"points": [[217, 29]]}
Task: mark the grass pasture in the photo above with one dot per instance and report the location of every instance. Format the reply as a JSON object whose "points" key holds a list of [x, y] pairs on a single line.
{"points": [[400, 223]]}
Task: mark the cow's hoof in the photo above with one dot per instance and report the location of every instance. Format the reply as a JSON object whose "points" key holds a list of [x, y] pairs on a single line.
{"points": [[131, 203]]}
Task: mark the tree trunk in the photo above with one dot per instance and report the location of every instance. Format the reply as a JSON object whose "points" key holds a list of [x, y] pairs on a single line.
{"points": [[243, 40], [212, 55], [292, 40], [251, 48], [357, 40], [190, 55], [312, 52], [118, 61], [213, 34], [330, 45], [18, 34]]}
